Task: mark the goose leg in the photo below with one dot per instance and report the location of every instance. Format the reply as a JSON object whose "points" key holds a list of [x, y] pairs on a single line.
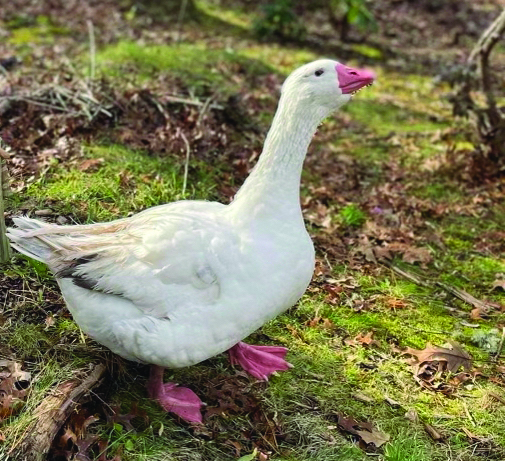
{"points": [[179, 400], [259, 361]]}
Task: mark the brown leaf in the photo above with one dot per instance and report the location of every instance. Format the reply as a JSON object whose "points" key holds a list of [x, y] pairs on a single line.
{"points": [[91, 164], [322, 323], [395, 303], [364, 430], [13, 387], [376, 437], [412, 415], [475, 313], [453, 358], [363, 339]]}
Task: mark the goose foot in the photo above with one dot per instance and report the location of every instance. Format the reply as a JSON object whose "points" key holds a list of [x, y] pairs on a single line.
{"points": [[179, 400], [259, 361]]}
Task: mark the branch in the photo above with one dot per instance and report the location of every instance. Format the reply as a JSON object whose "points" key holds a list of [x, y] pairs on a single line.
{"points": [[482, 50], [52, 413]]}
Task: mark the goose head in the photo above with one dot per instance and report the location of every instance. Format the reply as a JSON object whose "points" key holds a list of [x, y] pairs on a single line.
{"points": [[325, 85]]}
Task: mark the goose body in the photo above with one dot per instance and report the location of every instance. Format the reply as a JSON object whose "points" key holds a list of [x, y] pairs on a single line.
{"points": [[182, 282]]}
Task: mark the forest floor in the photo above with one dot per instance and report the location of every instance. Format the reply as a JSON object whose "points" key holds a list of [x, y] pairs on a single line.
{"points": [[395, 345]]}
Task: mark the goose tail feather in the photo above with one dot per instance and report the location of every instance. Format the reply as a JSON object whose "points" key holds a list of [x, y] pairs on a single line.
{"points": [[37, 247]]}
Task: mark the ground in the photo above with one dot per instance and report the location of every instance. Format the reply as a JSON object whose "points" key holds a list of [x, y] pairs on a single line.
{"points": [[400, 225]]}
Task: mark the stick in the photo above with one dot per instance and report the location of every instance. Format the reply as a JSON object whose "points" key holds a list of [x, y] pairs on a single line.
{"points": [[52, 413], [466, 297], [500, 346], [92, 50], [5, 250], [180, 18], [186, 163], [409, 275]]}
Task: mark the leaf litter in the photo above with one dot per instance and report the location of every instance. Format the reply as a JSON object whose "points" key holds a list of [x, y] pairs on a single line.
{"points": [[14, 386]]}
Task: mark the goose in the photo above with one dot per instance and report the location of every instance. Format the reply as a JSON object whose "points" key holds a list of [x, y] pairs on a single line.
{"points": [[182, 282]]}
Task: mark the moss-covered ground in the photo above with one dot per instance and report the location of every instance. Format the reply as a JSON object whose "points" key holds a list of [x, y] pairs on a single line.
{"points": [[377, 172]]}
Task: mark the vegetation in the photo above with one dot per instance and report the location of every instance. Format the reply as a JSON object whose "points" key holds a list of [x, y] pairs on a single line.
{"points": [[402, 236]]}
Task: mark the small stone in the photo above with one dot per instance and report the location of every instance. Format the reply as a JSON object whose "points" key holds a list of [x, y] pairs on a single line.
{"points": [[61, 220], [45, 212]]}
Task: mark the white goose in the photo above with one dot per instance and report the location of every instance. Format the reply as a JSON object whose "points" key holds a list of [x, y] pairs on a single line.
{"points": [[182, 282]]}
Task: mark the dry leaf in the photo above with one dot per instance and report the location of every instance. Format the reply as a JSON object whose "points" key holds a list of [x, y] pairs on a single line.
{"points": [[376, 437], [365, 431], [412, 415], [91, 164], [363, 339], [13, 387], [322, 323], [453, 358]]}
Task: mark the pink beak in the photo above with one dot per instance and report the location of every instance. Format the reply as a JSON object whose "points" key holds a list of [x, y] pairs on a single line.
{"points": [[351, 80]]}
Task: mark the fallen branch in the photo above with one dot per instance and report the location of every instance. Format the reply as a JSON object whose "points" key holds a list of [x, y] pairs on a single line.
{"points": [[410, 276], [483, 49], [52, 413], [466, 297]]}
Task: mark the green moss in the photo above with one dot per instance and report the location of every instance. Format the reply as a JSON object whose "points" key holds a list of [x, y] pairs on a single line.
{"points": [[386, 118], [368, 51], [42, 31], [125, 181], [195, 64]]}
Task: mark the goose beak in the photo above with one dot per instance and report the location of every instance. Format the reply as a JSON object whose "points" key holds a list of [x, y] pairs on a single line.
{"points": [[352, 80]]}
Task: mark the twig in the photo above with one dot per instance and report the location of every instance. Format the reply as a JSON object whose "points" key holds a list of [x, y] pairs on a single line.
{"points": [[465, 296], [409, 275], [483, 49], [191, 102], [500, 346], [52, 414], [180, 18], [186, 163], [470, 417], [497, 397], [92, 50]]}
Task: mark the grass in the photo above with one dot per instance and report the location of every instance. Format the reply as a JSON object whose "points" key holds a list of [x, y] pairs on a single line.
{"points": [[195, 64], [328, 373], [125, 181]]}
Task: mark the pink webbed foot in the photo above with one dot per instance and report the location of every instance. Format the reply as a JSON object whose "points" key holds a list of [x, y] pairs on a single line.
{"points": [[259, 361], [179, 400]]}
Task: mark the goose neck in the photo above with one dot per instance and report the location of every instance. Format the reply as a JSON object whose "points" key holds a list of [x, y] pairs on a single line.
{"points": [[274, 183]]}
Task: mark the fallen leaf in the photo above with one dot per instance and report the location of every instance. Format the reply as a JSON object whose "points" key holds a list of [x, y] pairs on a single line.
{"points": [[322, 323], [376, 437], [454, 358], [392, 402], [395, 303], [364, 430], [363, 339], [412, 415], [91, 164], [14, 384], [475, 313], [362, 397]]}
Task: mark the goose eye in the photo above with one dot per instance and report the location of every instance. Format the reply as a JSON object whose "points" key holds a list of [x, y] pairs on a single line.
{"points": [[319, 72]]}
